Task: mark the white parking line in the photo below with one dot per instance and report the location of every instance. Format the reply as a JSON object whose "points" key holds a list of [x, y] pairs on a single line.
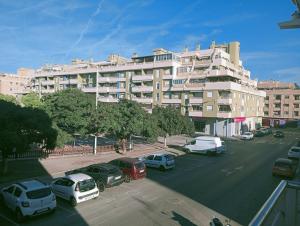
{"points": [[9, 220]]}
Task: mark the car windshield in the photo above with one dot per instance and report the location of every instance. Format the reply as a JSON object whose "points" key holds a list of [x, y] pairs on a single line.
{"points": [[39, 193], [86, 185], [282, 165], [295, 150], [247, 133], [139, 165]]}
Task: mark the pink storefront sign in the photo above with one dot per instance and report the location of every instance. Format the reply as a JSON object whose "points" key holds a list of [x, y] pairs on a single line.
{"points": [[239, 119]]}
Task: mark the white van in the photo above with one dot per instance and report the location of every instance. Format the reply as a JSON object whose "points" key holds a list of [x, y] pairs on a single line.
{"points": [[206, 145], [75, 188]]}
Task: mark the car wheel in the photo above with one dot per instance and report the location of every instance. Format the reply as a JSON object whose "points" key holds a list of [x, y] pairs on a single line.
{"points": [[19, 216], [127, 178], [101, 186], [162, 168], [73, 201]]}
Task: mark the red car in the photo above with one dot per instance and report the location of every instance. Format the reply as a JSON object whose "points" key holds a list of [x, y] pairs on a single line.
{"points": [[132, 168]]}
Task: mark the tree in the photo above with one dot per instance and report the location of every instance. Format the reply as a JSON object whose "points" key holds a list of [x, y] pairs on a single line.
{"points": [[171, 122], [129, 119], [71, 110], [21, 127], [32, 100], [8, 98]]}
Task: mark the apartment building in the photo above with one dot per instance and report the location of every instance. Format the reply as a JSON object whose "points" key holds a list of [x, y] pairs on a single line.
{"points": [[282, 103], [14, 84], [210, 85]]}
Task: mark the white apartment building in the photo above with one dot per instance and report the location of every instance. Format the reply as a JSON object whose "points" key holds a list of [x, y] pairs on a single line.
{"points": [[211, 85]]}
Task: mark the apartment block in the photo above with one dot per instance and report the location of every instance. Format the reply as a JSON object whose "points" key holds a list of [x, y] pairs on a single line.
{"points": [[13, 84], [210, 85], [282, 102]]}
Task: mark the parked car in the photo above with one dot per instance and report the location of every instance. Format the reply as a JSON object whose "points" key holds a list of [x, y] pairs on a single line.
{"points": [[284, 167], [206, 145], [75, 188], [266, 130], [132, 168], [294, 152], [106, 175], [278, 134], [29, 198], [160, 161], [247, 136], [259, 133]]}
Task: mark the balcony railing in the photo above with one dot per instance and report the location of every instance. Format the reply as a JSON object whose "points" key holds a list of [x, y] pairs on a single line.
{"points": [[142, 77], [142, 89]]}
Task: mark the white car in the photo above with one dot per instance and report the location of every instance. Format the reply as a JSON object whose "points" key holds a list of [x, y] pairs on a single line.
{"points": [[75, 188], [206, 145], [160, 161], [247, 136], [29, 198], [294, 152]]}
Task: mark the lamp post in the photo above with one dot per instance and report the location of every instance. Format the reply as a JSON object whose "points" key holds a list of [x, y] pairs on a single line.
{"points": [[97, 94]]}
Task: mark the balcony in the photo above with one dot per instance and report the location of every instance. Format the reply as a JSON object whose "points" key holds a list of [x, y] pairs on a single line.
{"points": [[89, 89], [177, 87], [195, 113], [142, 100], [111, 79], [171, 101], [142, 77], [196, 100], [224, 114], [108, 99], [225, 101], [142, 89], [48, 82]]}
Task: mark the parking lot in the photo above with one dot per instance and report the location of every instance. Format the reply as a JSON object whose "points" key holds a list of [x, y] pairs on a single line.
{"points": [[234, 185]]}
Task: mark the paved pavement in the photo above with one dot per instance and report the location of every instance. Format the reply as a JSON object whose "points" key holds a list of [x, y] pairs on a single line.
{"points": [[234, 185]]}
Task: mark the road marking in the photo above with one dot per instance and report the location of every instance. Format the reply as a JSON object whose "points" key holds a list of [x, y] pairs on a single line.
{"points": [[9, 220], [239, 167]]}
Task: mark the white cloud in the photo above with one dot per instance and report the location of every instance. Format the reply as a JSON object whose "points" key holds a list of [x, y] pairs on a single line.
{"points": [[258, 55]]}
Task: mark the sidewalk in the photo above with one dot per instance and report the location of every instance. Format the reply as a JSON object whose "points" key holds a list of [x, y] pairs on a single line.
{"points": [[56, 166]]}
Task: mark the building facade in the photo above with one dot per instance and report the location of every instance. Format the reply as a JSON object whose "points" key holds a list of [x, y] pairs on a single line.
{"points": [[13, 84], [211, 85], [282, 102]]}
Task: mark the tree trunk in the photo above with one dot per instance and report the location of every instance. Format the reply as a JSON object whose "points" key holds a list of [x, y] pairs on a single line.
{"points": [[124, 146], [165, 141]]}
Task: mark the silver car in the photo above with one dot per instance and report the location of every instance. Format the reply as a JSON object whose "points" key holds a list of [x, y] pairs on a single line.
{"points": [[294, 152]]}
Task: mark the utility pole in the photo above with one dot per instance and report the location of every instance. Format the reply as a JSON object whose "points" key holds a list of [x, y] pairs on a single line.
{"points": [[97, 93]]}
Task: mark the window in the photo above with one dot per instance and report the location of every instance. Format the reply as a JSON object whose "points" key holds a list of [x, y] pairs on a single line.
{"points": [[286, 105], [157, 85], [286, 97], [286, 112], [150, 157], [157, 96], [224, 108], [297, 97], [209, 94], [10, 189], [296, 105], [39, 193], [198, 94], [157, 158], [296, 113], [209, 107], [18, 192], [266, 113], [197, 107], [178, 81], [277, 97]]}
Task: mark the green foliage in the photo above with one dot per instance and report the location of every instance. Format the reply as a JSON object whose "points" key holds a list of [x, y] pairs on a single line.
{"points": [[62, 137], [8, 98], [32, 100], [20, 127], [171, 122], [128, 119], [71, 110]]}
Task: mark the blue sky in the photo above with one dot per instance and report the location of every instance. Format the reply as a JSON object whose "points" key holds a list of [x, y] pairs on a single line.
{"points": [[37, 32]]}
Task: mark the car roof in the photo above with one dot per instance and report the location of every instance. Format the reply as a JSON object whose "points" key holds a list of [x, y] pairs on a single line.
{"points": [[78, 177], [283, 160], [207, 138], [127, 159], [104, 165], [294, 147], [32, 184]]}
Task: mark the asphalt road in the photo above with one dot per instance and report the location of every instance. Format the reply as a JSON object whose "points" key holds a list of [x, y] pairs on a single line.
{"points": [[235, 185]]}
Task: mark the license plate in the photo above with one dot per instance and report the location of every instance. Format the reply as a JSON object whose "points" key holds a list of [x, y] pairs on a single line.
{"points": [[117, 178], [142, 171]]}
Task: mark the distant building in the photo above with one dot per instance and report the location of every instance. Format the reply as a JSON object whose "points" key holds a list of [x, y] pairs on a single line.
{"points": [[282, 102], [14, 84], [211, 85]]}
